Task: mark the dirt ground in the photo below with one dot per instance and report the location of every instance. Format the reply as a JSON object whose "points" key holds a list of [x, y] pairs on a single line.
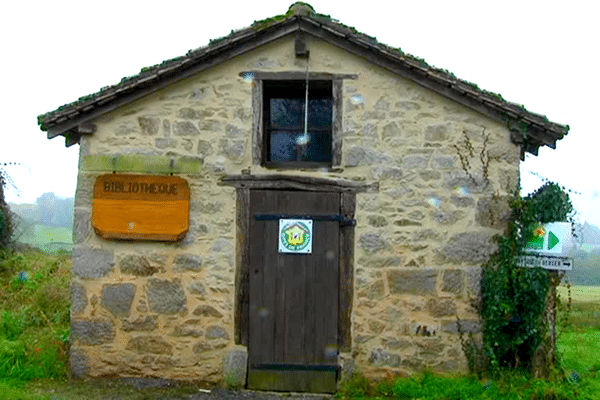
{"points": [[150, 389]]}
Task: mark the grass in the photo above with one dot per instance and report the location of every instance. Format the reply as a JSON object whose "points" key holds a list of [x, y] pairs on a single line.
{"points": [[428, 386], [34, 315], [34, 329]]}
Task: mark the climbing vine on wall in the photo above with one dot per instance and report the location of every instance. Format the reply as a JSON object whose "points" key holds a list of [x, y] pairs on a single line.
{"points": [[514, 302], [514, 298]]}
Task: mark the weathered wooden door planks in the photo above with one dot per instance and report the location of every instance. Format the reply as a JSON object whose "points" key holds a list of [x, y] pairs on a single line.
{"points": [[293, 315]]}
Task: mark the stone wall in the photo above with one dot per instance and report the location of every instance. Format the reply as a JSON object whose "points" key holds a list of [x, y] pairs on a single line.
{"points": [[156, 309]]}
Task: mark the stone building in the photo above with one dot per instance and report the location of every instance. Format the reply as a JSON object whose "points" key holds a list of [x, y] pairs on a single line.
{"points": [[402, 169]]}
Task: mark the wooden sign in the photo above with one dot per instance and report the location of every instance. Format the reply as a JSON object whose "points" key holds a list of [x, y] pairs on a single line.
{"points": [[141, 207]]}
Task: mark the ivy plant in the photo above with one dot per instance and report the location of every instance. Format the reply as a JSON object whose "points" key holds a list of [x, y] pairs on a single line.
{"points": [[513, 297]]}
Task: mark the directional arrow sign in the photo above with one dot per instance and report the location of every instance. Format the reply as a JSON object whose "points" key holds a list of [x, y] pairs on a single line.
{"points": [[547, 262], [551, 239]]}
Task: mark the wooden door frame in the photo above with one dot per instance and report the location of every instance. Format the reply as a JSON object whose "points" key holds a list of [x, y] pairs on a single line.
{"points": [[244, 184]]}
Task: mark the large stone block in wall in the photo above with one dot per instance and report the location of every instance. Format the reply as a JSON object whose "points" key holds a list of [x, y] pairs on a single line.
{"points": [[142, 265], [372, 242], [380, 357], [79, 299], [150, 345], [469, 246], [91, 263], [473, 182], [85, 188], [92, 332], [188, 262], [146, 324], [453, 281], [149, 125], [441, 307], [235, 366], [420, 281], [78, 363], [117, 298], [493, 211], [165, 296], [466, 326], [365, 156], [185, 128], [81, 225], [207, 311]]}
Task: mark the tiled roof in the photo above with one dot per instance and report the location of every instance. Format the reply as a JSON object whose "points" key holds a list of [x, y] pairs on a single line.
{"points": [[529, 129]]}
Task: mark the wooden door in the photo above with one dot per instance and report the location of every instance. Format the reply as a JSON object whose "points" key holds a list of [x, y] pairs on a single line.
{"points": [[293, 312]]}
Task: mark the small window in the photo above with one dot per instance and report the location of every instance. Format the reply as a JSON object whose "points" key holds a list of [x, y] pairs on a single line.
{"points": [[286, 139]]}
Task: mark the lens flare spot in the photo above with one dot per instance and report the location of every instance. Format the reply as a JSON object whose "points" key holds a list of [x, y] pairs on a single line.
{"points": [[434, 201], [331, 351], [263, 312], [461, 190], [22, 276], [303, 140], [357, 99]]}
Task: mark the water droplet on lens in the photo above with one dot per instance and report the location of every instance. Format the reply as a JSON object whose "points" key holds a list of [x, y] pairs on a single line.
{"points": [[331, 351], [263, 312], [461, 190], [357, 99], [434, 201], [303, 140]]}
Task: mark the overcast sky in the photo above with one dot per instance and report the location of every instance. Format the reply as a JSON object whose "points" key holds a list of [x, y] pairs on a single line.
{"points": [[542, 54]]}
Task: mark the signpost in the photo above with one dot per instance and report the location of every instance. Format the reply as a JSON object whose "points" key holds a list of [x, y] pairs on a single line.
{"points": [[141, 207], [549, 247], [547, 262]]}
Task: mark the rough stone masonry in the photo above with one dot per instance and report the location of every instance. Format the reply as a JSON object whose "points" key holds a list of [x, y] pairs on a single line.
{"points": [[166, 310]]}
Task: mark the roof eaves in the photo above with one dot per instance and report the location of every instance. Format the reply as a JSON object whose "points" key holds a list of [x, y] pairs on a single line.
{"points": [[415, 65]]}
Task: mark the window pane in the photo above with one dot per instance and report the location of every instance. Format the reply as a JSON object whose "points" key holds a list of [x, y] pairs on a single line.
{"points": [[294, 146], [319, 113], [287, 113]]}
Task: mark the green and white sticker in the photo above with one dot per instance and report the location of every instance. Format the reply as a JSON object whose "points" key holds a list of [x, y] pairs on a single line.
{"points": [[295, 236], [551, 239]]}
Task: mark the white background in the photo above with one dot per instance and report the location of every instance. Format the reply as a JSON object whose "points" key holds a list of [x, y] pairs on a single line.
{"points": [[543, 54]]}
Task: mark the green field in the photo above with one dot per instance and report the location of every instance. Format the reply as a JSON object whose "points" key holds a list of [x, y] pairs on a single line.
{"points": [[581, 293], [49, 239]]}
